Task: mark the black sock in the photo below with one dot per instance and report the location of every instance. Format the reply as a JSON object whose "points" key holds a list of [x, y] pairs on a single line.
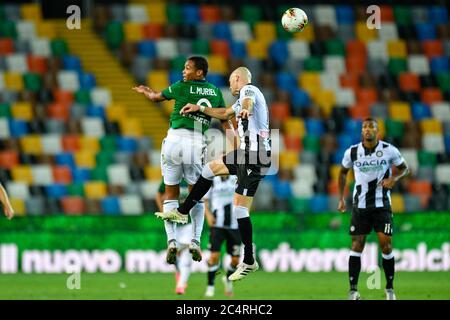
{"points": [[354, 267], [212, 270], [246, 231], [200, 188], [389, 270], [230, 271]]}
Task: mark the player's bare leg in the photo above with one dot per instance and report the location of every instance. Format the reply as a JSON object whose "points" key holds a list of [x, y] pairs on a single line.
{"points": [[354, 265], [388, 263], [242, 205]]}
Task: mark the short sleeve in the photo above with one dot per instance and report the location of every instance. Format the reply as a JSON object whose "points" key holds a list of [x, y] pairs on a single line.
{"points": [[346, 160], [396, 157], [171, 92], [247, 93]]}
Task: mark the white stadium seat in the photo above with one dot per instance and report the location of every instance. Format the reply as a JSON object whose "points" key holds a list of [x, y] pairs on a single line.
{"points": [[42, 174], [131, 205], [92, 126], [51, 143]]}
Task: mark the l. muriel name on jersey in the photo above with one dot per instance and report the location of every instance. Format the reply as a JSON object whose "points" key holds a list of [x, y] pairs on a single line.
{"points": [[202, 91], [193, 310]]}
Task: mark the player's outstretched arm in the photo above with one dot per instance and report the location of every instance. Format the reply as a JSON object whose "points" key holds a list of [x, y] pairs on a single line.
{"points": [[218, 113], [151, 94], [7, 208]]}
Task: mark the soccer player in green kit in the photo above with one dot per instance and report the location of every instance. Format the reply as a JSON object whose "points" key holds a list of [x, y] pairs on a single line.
{"points": [[182, 151]]}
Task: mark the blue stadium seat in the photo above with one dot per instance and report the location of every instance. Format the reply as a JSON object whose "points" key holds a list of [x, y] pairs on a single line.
{"points": [[420, 111], [238, 49], [282, 189], [351, 126], [17, 127], [438, 15], [314, 127], [426, 31], [110, 205], [318, 203], [56, 190], [126, 144], [300, 98], [72, 63], [81, 174], [222, 31], [146, 48], [278, 52], [191, 14], [216, 79], [439, 65], [286, 81], [87, 80], [447, 144], [338, 155], [65, 159], [344, 140], [345, 15], [96, 111], [175, 76]]}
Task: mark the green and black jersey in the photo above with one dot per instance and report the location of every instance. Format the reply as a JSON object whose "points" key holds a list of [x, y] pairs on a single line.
{"points": [[198, 92]]}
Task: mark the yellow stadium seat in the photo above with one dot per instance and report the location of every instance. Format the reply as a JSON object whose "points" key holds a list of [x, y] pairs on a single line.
{"points": [[257, 49], [397, 49], [365, 34], [334, 173], [157, 12], [295, 127], [133, 31], [31, 11], [400, 111], [397, 203], [18, 206], [131, 127], [310, 81], [158, 79], [46, 29], [431, 126], [265, 31], [13, 81], [22, 110], [31, 144], [116, 112], [168, 106], [289, 159], [153, 173], [381, 128], [95, 189], [326, 100], [90, 144], [85, 159], [217, 64], [307, 34], [22, 173]]}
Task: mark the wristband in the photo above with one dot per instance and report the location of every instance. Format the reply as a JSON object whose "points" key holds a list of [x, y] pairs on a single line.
{"points": [[202, 109]]}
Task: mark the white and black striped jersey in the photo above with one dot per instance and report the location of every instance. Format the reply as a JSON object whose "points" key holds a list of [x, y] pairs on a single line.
{"points": [[370, 166], [253, 132], [220, 197]]}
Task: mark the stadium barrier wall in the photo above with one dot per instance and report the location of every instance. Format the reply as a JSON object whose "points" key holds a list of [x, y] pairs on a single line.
{"points": [[285, 242]]}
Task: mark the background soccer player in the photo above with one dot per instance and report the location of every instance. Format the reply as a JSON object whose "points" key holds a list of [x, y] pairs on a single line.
{"points": [[183, 149], [250, 162], [223, 228], [371, 161]]}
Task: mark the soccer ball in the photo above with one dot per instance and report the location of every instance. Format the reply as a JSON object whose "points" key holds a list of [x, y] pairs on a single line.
{"points": [[294, 20]]}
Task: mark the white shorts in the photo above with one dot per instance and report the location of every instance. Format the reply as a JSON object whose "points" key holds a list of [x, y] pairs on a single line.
{"points": [[182, 156], [184, 234]]}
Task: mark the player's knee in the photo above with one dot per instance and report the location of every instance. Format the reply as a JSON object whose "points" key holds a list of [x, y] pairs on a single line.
{"points": [[357, 246], [386, 248], [213, 260], [234, 262]]}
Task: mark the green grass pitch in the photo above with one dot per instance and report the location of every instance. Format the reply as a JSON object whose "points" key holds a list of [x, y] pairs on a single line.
{"points": [[260, 285]]}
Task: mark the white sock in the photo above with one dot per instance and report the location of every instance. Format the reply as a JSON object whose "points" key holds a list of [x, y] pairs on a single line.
{"points": [[184, 266], [198, 217], [171, 227]]}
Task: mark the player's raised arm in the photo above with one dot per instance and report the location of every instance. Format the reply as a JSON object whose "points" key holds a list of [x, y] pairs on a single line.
{"points": [[151, 94], [218, 113]]}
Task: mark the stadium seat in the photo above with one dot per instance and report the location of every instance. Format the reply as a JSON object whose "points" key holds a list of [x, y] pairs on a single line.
{"points": [[73, 205], [110, 205], [131, 205]]}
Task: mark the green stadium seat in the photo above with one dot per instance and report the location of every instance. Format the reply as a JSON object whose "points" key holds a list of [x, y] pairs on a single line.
{"points": [[397, 66], [427, 159], [100, 173], [5, 110], [32, 81], [75, 189], [200, 46], [177, 63], [8, 29], [443, 80], [104, 158], [335, 47], [174, 14], [299, 205], [394, 129], [251, 14], [311, 143], [114, 34], [59, 47], [313, 63], [83, 96], [108, 143], [402, 15]]}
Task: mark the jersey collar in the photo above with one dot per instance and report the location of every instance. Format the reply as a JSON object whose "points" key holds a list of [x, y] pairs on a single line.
{"points": [[369, 151]]}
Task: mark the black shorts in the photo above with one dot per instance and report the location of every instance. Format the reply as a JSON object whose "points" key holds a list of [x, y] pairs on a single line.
{"points": [[231, 236], [378, 219], [249, 167]]}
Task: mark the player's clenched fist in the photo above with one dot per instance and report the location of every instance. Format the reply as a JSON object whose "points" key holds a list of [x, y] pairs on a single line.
{"points": [[188, 108]]}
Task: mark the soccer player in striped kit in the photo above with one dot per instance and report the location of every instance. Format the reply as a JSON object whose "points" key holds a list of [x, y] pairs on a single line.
{"points": [[371, 161]]}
